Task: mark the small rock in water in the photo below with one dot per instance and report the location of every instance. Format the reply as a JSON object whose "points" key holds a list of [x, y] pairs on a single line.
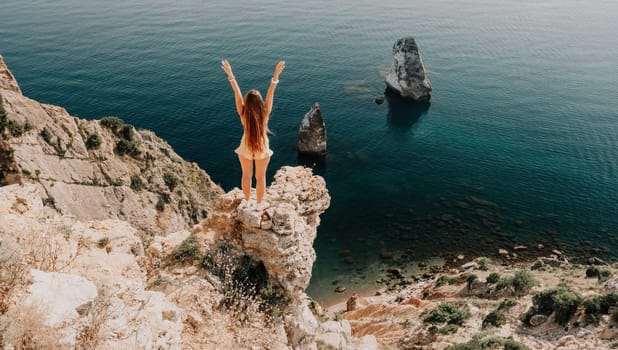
{"points": [[345, 252], [520, 247], [340, 289], [503, 251], [552, 232], [540, 246], [379, 100], [384, 254], [422, 264], [461, 257], [348, 260]]}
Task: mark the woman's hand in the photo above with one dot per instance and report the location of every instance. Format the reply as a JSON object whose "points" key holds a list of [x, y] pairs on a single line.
{"points": [[225, 65], [278, 69]]}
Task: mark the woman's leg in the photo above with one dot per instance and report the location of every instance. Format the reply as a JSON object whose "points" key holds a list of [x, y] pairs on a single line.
{"points": [[260, 177], [247, 174]]}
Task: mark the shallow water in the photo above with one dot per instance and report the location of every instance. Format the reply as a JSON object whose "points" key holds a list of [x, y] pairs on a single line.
{"points": [[523, 115]]}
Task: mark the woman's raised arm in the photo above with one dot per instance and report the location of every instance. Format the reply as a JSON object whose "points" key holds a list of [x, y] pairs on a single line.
{"points": [[268, 104], [225, 65]]}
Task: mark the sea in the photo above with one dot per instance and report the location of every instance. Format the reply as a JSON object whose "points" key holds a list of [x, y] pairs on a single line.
{"points": [[519, 145]]}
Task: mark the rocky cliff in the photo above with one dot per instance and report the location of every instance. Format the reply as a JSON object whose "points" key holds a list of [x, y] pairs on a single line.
{"points": [[109, 240], [98, 169]]}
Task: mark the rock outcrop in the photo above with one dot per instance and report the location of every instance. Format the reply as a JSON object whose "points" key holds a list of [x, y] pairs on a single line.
{"points": [[407, 76], [98, 170], [86, 280], [312, 133]]}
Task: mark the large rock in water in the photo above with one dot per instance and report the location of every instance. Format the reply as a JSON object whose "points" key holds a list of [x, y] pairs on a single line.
{"points": [[312, 133], [408, 76]]}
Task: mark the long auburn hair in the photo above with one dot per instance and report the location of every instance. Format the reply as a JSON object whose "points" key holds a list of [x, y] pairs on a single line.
{"points": [[255, 121]]}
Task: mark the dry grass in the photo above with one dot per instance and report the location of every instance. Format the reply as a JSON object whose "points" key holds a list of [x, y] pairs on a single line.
{"points": [[90, 336], [27, 331], [50, 251], [12, 272]]}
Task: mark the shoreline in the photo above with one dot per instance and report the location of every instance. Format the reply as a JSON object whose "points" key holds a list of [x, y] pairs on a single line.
{"points": [[413, 274]]}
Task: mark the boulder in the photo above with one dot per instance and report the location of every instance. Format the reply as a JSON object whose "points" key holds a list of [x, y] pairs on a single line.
{"points": [[312, 133], [407, 76]]}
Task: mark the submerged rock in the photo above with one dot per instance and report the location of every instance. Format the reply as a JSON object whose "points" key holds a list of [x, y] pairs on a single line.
{"points": [[312, 133], [407, 75]]}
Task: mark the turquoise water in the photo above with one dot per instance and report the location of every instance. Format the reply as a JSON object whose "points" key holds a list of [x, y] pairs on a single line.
{"points": [[524, 112]]}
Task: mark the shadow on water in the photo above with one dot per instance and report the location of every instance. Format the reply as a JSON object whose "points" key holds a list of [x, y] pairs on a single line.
{"points": [[402, 112]]}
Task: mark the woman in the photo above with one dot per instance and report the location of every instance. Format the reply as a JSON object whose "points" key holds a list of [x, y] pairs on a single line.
{"points": [[254, 113]]}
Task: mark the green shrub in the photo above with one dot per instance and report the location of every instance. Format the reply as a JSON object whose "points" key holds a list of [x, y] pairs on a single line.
{"points": [[520, 283], [608, 302], [470, 278], [112, 123], [601, 274], [495, 318], [592, 307], [444, 279], [506, 304], [170, 180], [46, 135], [446, 312], [448, 329], [136, 183], [188, 250], [561, 301], [160, 206], [493, 277], [126, 132], [245, 282], [93, 141], [127, 147], [482, 341], [16, 129], [483, 264]]}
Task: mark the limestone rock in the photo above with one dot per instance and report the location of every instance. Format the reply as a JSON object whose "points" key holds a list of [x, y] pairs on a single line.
{"points": [[407, 76], [59, 294], [355, 301], [156, 191], [280, 233], [312, 133], [7, 80]]}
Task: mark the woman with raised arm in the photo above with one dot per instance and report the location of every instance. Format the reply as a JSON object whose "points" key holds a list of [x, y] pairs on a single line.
{"points": [[254, 113]]}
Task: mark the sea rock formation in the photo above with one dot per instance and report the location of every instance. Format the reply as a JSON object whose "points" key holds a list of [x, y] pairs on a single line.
{"points": [[98, 170], [312, 133], [407, 76]]}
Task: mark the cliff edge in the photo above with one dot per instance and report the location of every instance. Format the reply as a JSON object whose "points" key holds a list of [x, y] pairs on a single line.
{"points": [[98, 169]]}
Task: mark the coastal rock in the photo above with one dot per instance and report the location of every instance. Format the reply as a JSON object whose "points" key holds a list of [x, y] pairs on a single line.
{"points": [[7, 80], [279, 232], [153, 188], [355, 301], [100, 273], [312, 133], [407, 76], [60, 294]]}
